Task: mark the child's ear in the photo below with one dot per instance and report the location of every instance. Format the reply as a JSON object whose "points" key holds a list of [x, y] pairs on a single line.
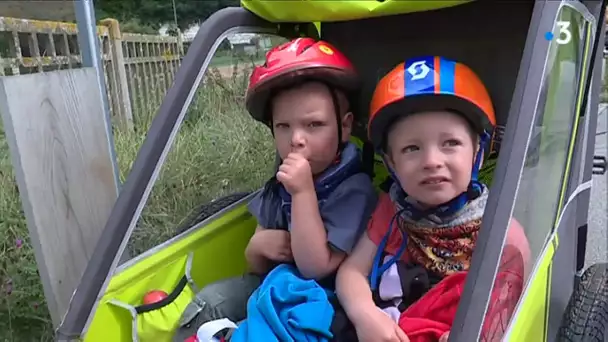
{"points": [[347, 126]]}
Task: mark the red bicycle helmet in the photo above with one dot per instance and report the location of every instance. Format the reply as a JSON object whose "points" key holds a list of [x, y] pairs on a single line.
{"points": [[295, 61]]}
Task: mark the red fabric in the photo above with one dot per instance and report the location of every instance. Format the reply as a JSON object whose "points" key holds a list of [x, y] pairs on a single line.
{"points": [[432, 315], [508, 287], [379, 223]]}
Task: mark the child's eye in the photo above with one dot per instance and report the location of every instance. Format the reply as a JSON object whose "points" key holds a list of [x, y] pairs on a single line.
{"points": [[409, 148], [281, 125], [452, 142], [315, 124]]}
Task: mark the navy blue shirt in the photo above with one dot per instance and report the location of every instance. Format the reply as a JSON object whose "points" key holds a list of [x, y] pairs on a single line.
{"points": [[345, 212]]}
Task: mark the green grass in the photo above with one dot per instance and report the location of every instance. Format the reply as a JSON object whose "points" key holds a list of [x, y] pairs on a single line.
{"points": [[219, 150], [22, 305], [223, 58]]}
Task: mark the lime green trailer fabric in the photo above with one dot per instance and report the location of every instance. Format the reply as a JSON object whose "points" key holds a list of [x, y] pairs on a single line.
{"points": [[326, 11], [216, 251]]}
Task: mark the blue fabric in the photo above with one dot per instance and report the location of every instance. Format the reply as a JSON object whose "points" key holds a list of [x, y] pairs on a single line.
{"points": [[286, 308]]}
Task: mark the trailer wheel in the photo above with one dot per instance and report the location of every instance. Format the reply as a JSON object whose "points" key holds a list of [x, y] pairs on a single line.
{"points": [[586, 316], [206, 210]]}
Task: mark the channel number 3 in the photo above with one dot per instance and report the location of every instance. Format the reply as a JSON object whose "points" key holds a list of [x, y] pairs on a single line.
{"points": [[564, 35]]}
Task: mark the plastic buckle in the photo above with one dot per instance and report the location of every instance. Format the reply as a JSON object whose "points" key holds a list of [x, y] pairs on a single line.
{"points": [[599, 165]]}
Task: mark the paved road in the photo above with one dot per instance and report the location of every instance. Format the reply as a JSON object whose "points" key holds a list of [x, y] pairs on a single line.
{"points": [[597, 239]]}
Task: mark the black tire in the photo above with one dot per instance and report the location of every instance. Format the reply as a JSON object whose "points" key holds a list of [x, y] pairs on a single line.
{"points": [[586, 316], [206, 210]]}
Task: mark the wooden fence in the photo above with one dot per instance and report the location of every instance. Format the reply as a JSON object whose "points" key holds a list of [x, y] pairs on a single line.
{"points": [[138, 68]]}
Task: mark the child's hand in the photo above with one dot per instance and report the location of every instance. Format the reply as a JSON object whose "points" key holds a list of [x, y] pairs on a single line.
{"points": [[295, 174], [275, 245], [377, 326]]}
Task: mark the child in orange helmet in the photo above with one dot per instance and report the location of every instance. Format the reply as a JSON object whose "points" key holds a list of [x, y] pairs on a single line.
{"points": [[431, 119], [313, 211]]}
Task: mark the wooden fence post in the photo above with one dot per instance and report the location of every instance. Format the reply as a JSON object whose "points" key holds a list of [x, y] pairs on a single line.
{"points": [[118, 75], [55, 129]]}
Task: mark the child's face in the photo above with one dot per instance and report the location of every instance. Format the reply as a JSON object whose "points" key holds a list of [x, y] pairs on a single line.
{"points": [[304, 122], [432, 154]]}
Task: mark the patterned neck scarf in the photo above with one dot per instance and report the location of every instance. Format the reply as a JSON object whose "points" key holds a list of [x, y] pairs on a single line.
{"points": [[441, 245]]}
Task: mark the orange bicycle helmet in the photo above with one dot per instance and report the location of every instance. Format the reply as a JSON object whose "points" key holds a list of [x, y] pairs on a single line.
{"points": [[295, 61], [425, 84]]}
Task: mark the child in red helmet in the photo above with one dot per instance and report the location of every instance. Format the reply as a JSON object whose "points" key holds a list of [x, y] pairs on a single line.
{"points": [[312, 212], [431, 119]]}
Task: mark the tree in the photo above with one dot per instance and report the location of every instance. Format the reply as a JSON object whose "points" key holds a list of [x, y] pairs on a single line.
{"points": [[155, 13]]}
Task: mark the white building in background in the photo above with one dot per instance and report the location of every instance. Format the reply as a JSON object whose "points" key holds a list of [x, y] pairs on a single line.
{"points": [[249, 43], [187, 35]]}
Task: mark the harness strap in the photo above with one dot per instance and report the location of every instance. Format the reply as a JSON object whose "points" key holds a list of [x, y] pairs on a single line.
{"points": [[377, 267]]}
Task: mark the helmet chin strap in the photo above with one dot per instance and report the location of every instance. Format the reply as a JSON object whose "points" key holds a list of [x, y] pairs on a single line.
{"points": [[336, 101], [452, 206]]}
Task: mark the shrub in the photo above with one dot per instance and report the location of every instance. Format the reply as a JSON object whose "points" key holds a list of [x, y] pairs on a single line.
{"points": [[218, 150]]}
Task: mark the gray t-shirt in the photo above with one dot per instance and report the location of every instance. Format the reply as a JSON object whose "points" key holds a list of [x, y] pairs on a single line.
{"points": [[345, 212]]}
